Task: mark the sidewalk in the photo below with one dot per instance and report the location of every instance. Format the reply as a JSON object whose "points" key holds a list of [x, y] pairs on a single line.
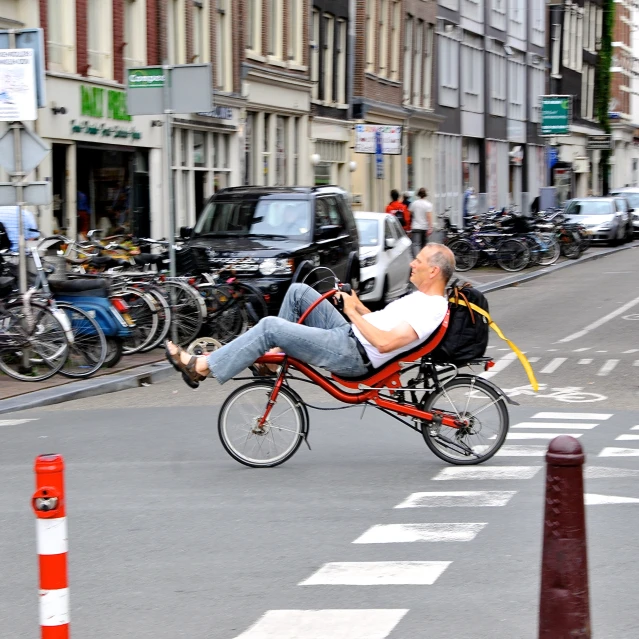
{"points": [[149, 368]]}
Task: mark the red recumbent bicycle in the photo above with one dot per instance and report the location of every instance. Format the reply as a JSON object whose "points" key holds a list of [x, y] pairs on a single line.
{"points": [[462, 417]]}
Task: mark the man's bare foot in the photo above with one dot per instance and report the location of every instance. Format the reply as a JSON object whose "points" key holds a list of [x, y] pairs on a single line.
{"points": [[201, 363]]}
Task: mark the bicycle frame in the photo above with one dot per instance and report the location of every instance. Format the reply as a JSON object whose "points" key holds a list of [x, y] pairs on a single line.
{"points": [[384, 379]]}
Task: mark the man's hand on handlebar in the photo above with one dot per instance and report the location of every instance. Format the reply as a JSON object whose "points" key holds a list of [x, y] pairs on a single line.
{"points": [[350, 303]]}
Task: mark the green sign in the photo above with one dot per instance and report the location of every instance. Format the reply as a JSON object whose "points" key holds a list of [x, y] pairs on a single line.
{"points": [[97, 102], [556, 114], [148, 78]]}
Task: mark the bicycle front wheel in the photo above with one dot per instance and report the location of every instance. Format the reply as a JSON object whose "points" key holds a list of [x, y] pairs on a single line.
{"points": [[33, 347], [465, 255], [551, 248], [277, 440], [513, 255], [483, 411]]}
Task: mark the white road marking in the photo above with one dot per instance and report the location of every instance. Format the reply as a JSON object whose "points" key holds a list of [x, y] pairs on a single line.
{"points": [[500, 365], [600, 322], [636, 363], [320, 624], [627, 438], [584, 361], [602, 351], [547, 436], [16, 422], [487, 472], [471, 498], [554, 425], [521, 451], [553, 350], [632, 350], [603, 472], [581, 350], [593, 416], [635, 427], [608, 367], [619, 452], [533, 360], [377, 573], [554, 365], [407, 533], [599, 500]]}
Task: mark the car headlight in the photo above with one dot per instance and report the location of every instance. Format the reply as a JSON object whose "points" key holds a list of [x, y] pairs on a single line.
{"points": [[605, 226], [369, 261], [276, 266], [635, 217]]}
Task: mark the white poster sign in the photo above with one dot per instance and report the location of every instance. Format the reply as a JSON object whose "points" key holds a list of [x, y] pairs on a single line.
{"points": [[391, 138], [17, 85]]}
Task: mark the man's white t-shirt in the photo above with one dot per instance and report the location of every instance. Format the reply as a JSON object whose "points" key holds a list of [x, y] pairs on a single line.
{"points": [[423, 312], [419, 210]]}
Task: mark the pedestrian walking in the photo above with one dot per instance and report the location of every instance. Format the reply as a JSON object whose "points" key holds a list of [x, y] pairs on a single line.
{"points": [[422, 220], [399, 210]]}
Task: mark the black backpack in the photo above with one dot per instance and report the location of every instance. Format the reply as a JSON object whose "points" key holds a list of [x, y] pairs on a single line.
{"points": [[467, 335], [399, 214]]}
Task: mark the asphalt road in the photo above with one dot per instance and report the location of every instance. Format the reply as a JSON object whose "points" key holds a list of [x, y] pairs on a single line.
{"points": [[169, 537]]}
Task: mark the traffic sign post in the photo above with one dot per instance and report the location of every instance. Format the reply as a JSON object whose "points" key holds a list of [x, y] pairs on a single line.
{"points": [[556, 115]]}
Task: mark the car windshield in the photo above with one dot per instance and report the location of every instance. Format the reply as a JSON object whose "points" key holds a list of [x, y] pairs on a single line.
{"points": [[589, 207], [633, 198], [265, 217], [368, 232]]}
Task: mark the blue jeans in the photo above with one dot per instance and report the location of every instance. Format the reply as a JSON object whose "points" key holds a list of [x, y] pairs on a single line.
{"points": [[324, 340]]}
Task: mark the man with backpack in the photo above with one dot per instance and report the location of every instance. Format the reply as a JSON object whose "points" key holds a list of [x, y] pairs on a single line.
{"points": [[422, 214], [399, 210]]}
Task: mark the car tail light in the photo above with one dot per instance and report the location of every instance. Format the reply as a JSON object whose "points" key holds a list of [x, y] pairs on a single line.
{"points": [[267, 297], [489, 364], [120, 305]]}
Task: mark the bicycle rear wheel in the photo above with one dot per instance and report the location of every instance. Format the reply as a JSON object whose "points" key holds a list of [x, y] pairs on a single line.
{"points": [[482, 409], [31, 350], [551, 249], [465, 255], [226, 316], [89, 348], [276, 441], [143, 311], [513, 255], [187, 311]]}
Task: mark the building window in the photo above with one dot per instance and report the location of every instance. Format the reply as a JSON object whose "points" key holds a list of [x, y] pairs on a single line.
{"points": [[371, 35], [598, 28], [224, 46], [428, 67], [315, 53], [61, 35], [517, 18], [327, 58], [275, 29], [537, 86], [201, 22], [254, 26], [418, 54], [472, 9], [281, 148], [100, 38], [448, 71], [498, 14], [134, 46], [472, 73], [396, 27], [408, 57], [587, 92], [556, 39], [383, 38], [538, 22], [176, 21], [498, 81], [516, 87], [579, 42], [340, 61], [295, 31]]}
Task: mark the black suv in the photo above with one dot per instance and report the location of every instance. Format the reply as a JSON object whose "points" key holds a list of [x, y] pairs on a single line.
{"points": [[269, 235]]}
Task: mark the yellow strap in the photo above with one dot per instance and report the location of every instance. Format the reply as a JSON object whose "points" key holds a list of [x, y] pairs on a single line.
{"points": [[520, 356]]}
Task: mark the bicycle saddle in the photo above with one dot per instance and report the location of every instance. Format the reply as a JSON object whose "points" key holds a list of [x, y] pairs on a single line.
{"points": [[148, 258]]}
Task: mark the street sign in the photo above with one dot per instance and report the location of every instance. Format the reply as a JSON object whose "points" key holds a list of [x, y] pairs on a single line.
{"points": [[556, 114], [17, 85], [33, 194], [33, 150], [553, 156], [366, 138], [30, 39], [601, 142], [379, 157], [190, 89]]}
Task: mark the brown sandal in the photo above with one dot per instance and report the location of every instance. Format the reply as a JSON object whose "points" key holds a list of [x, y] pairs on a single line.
{"points": [[190, 376], [262, 370]]}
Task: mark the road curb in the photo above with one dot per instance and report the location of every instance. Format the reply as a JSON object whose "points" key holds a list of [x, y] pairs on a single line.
{"points": [[132, 378], [520, 279]]}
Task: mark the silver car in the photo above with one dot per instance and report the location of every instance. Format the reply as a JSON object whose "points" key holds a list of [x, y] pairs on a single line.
{"points": [[631, 193], [605, 218]]}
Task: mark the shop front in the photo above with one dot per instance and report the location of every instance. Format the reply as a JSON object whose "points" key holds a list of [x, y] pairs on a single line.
{"points": [[99, 160], [330, 154]]}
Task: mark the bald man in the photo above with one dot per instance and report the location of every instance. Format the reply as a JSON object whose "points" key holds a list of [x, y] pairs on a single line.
{"points": [[326, 339]]}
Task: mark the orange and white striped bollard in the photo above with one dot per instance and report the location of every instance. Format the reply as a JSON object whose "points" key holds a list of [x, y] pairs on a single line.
{"points": [[48, 503]]}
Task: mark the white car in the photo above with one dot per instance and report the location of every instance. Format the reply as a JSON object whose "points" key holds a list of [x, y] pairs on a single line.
{"points": [[385, 254]]}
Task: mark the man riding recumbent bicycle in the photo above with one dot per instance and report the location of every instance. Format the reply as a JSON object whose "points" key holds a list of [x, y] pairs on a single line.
{"points": [[395, 359]]}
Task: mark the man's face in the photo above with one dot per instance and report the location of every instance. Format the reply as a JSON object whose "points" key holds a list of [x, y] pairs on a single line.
{"points": [[421, 270]]}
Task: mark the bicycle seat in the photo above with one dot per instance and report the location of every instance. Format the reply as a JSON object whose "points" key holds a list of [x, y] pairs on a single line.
{"points": [[81, 288], [148, 258]]}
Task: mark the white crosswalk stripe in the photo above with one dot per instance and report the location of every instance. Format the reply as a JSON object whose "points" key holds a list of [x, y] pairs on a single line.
{"points": [[632, 350], [377, 573], [608, 367], [635, 427], [584, 361], [577, 426], [521, 451], [582, 416], [467, 498], [478, 473], [627, 438], [619, 452], [547, 436], [320, 624], [553, 365], [500, 365], [407, 533], [602, 472], [16, 422]]}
